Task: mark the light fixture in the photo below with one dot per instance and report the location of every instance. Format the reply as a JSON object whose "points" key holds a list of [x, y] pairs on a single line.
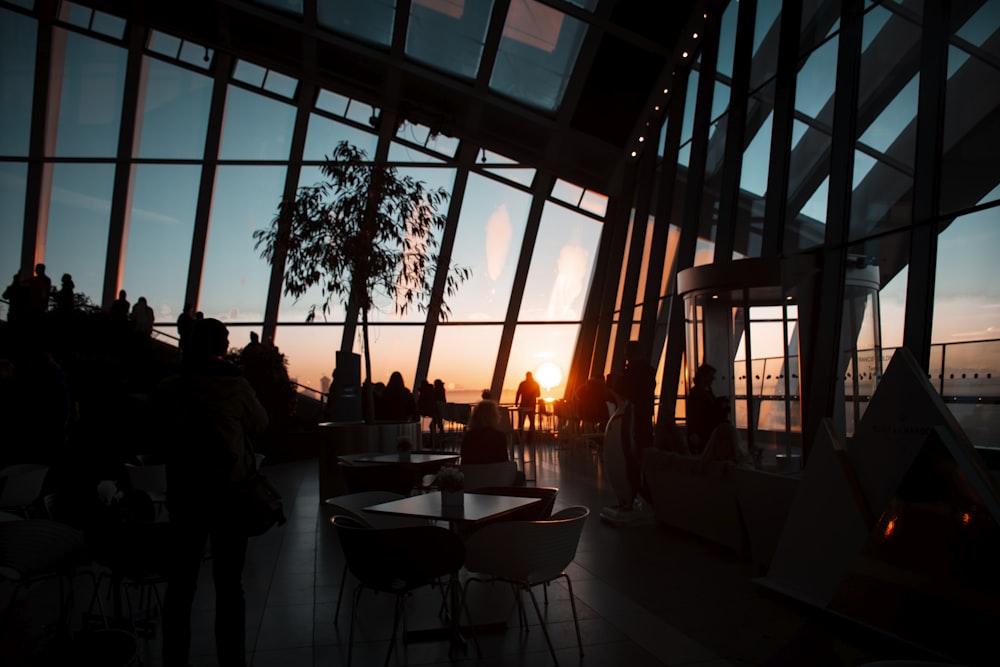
{"points": [[206, 54], [684, 55], [634, 153], [657, 107], [642, 139], [695, 35], [483, 159], [666, 90]]}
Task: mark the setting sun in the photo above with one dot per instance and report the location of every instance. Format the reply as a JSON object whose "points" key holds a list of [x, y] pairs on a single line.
{"points": [[548, 375]]}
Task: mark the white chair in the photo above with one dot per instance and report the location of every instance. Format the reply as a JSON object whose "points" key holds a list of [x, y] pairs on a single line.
{"points": [[21, 487], [528, 554], [503, 473]]}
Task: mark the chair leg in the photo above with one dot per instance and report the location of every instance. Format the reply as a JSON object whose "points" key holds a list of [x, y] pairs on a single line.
{"points": [[354, 613], [397, 613], [541, 621], [572, 604], [340, 594], [468, 615]]}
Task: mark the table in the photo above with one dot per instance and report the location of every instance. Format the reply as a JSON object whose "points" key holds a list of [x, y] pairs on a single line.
{"points": [[476, 507], [415, 459]]}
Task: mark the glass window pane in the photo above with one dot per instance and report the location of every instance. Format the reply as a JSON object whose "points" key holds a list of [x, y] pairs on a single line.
{"points": [[464, 357], [369, 20], [448, 36], [488, 241], [561, 265], [332, 102], [324, 134], [311, 351], [536, 54], [17, 80], [765, 42], [77, 239], [109, 25], [13, 181], [91, 99], [280, 84], [164, 44], [175, 112], [161, 224], [432, 179], [537, 345], [256, 127], [235, 280], [293, 6], [393, 348], [966, 292], [970, 170], [887, 106], [196, 54]]}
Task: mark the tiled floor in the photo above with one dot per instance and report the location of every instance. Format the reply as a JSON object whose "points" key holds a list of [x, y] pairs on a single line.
{"points": [[645, 595]]}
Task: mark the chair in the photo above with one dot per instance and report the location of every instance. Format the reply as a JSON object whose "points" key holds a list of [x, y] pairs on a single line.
{"points": [[152, 479], [21, 487], [537, 512], [527, 554], [352, 505], [396, 561], [359, 477], [478, 475]]}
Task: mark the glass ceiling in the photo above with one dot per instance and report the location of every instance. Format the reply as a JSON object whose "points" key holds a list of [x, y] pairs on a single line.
{"points": [[534, 57]]}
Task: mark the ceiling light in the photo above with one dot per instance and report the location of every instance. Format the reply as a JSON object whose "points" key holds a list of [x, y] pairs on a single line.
{"points": [[695, 35], [684, 55], [642, 139], [657, 107], [666, 90], [634, 153]]}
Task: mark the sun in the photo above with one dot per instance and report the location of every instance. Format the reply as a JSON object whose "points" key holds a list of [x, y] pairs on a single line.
{"points": [[548, 375]]}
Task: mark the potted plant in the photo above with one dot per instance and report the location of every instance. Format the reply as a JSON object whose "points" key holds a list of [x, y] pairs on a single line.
{"points": [[364, 232], [451, 483]]}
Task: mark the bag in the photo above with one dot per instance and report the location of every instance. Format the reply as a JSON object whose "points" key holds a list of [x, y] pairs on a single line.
{"points": [[258, 505]]}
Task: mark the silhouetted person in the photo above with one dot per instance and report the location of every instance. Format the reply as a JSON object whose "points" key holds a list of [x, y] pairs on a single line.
{"points": [[143, 317], [184, 323], [253, 350], [705, 411], [637, 386], [396, 402], [208, 411], [120, 308], [39, 291], [592, 399], [526, 400], [484, 442], [16, 296], [440, 398], [425, 403], [65, 297]]}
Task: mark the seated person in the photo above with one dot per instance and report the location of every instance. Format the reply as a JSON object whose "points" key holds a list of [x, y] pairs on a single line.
{"points": [[705, 410], [485, 441]]}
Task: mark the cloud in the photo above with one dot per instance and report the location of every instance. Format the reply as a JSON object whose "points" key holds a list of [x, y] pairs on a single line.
{"points": [[571, 275], [498, 237]]}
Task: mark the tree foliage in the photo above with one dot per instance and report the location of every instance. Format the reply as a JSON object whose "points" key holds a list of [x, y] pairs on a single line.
{"points": [[364, 232]]}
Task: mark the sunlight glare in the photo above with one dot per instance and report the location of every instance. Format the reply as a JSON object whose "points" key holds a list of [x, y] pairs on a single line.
{"points": [[548, 375]]}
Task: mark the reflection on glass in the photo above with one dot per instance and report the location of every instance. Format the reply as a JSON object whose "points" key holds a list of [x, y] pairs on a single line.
{"points": [[488, 241], [174, 113], [77, 239], [161, 223], [464, 358], [448, 36], [970, 172], [91, 99], [17, 81], [368, 20], [256, 127], [561, 265], [536, 54], [235, 280]]}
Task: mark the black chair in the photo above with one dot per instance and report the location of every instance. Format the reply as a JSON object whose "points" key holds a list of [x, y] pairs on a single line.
{"points": [[360, 477], [396, 561]]}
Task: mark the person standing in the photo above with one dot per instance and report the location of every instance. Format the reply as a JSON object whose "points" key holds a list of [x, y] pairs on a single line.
{"points": [[209, 412], [143, 318], [526, 400]]}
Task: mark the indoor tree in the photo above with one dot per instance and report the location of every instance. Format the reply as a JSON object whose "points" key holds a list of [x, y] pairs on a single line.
{"points": [[364, 231]]}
